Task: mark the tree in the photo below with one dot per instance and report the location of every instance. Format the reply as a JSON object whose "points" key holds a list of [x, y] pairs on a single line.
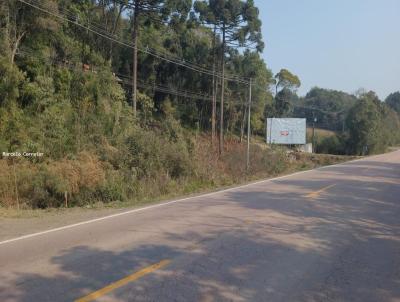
{"points": [[288, 83], [330, 107], [283, 102], [393, 101], [10, 81], [139, 7], [364, 123], [391, 126], [285, 79], [156, 9], [111, 15], [249, 64], [209, 19], [239, 25], [21, 21]]}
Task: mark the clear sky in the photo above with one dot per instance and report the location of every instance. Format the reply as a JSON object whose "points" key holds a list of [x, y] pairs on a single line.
{"points": [[336, 44]]}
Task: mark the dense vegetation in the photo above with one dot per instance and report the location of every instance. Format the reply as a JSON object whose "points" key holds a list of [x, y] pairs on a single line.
{"points": [[363, 124], [360, 124], [67, 72]]}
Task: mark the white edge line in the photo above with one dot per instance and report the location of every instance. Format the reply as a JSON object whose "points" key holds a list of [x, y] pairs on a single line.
{"points": [[171, 202]]}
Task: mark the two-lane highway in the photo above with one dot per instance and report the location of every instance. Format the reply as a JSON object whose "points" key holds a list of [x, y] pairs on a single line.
{"points": [[331, 234]]}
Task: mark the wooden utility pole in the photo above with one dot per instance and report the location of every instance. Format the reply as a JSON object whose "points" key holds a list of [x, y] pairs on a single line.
{"points": [[214, 91], [135, 33], [313, 133], [221, 126], [66, 199], [16, 184], [248, 129]]}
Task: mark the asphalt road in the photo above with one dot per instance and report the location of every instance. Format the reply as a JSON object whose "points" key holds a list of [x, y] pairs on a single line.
{"points": [[331, 234]]}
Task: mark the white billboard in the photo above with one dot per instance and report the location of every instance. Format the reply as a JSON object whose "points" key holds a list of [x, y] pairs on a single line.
{"points": [[286, 131]]}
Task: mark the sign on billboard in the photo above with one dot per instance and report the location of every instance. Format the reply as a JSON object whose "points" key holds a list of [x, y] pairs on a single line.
{"points": [[286, 131]]}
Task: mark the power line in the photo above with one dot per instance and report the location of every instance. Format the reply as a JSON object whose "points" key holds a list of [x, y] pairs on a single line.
{"points": [[111, 37], [153, 86], [127, 80], [74, 66], [320, 110], [185, 91], [160, 88]]}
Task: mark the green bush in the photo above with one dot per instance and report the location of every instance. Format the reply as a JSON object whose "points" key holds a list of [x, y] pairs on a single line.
{"points": [[11, 80], [331, 145]]}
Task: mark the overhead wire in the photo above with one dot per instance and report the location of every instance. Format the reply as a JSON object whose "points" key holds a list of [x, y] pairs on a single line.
{"points": [[111, 37], [320, 110], [153, 86], [126, 80]]}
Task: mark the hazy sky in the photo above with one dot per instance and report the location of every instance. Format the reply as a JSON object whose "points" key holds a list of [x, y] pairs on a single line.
{"points": [[337, 44]]}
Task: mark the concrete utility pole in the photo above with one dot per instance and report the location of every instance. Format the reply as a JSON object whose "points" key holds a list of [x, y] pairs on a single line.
{"points": [[248, 129]]}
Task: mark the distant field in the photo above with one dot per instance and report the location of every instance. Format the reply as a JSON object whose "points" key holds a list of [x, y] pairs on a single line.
{"points": [[319, 133]]}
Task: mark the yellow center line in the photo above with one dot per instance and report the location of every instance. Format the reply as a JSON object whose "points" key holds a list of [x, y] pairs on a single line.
{"points": [[315, 194], [105, 290]]}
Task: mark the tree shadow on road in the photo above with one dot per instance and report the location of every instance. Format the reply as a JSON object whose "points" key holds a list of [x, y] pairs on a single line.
{"points": [[227, 266], [343, 245], [361, 218]]}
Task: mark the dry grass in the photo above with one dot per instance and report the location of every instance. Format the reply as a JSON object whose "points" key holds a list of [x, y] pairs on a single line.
{"points": [[91, 182], [320, 133], [85, 172], [35, 183], [7, 187]]}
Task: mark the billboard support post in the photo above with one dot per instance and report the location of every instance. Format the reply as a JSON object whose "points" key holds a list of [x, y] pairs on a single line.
{"points": [[270, 131]]}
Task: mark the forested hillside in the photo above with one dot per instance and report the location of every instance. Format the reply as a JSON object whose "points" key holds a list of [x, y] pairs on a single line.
{"points": [[117, 95], [125, 99], [55, 44]]}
